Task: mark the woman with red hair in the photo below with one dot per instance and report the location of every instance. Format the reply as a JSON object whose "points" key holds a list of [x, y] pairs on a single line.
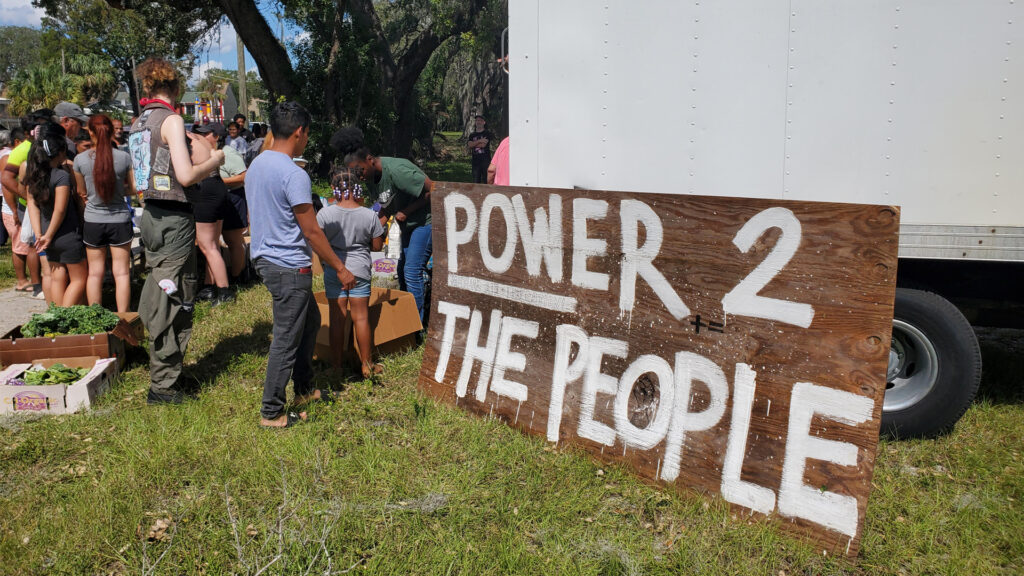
{"points": [[105, 173]]}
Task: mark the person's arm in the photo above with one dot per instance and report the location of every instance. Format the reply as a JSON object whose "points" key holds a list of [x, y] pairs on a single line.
{"points": [[377, 244], [173, 133], [11, 199], [9, 196], [9, 179], [492, 170], [80, 183], [12, 202], [79, 192], [34, 218], [236, 179], [306, 217], [61, 197], [22, 189], [423, 200], [129, 182]]}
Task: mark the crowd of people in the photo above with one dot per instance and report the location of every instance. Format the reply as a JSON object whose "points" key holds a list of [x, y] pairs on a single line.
{"points": [[66, 182], [70, 179]]}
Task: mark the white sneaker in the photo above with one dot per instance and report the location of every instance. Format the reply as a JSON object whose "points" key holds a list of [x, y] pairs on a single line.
{"points": [[39, 295]]}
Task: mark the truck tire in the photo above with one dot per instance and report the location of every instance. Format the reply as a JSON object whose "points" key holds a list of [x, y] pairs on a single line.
{"points": [[934, 366]]}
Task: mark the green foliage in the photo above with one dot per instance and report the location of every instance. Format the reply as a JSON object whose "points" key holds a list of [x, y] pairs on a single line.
{"points": [[96, 78], [20, 48], [56, 374], [322, 188], [345, 78], [70, 320], [41, 85], [125, 37], [83, 79]]}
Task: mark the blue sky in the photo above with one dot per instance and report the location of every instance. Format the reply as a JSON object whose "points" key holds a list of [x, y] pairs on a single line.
{"points": [[215, 52]]}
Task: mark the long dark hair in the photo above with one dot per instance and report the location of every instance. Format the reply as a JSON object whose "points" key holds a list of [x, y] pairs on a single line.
{"points": [[103, 178], [48, 145]]}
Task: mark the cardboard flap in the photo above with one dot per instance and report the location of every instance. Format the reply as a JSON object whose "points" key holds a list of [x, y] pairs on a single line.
{"points": [[12, 371], [129, 328]]}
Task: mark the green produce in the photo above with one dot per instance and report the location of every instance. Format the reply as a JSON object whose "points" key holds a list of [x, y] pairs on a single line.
{"points": [[56, 374], [59, 321]]}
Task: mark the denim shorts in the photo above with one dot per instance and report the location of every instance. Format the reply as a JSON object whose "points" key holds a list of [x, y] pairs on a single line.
{"points": [[332, 286]]}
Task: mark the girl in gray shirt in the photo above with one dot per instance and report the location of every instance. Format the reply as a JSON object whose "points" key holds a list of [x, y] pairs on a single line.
{"points": [[353, 231], [105, 173]]}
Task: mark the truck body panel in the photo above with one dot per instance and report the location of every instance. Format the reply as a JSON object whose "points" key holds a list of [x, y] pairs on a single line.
{"points": [[914, 103]]}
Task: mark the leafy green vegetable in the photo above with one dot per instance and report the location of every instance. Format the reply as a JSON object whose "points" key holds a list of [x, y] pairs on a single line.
{"points": [[56, 374], [57, 321]]}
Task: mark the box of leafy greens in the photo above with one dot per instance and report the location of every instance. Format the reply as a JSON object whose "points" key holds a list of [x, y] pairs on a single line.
{"points": [[55, 385], [72, 331]]}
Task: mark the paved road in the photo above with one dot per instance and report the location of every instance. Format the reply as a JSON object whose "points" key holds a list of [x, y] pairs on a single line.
{"points": [[16, 308]]}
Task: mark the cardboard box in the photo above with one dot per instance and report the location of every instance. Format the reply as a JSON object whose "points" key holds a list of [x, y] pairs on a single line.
{"points": [[14, 349], [394, 322], [57, 398]]}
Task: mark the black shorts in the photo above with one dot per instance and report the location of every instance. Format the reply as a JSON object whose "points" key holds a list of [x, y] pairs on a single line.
{"points": [[66, 248], [102, 234], [211, 203], [239, 216]]}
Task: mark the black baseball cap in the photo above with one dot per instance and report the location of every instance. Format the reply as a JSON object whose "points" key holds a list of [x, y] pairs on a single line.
{"points": [[214, 127]]}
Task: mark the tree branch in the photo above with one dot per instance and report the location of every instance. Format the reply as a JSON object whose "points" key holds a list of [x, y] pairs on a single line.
{"points": [[271, 57]]}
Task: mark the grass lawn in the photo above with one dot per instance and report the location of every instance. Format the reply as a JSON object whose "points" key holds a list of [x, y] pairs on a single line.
{"points": [[388, 482], [455, 164], [7, 277]]}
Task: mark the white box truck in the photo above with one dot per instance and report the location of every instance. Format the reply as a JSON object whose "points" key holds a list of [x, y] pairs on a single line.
{"points": [[917, 103]]}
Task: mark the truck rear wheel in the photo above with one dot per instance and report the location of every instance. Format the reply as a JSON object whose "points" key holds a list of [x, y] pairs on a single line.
{"points": [[934, 366]]}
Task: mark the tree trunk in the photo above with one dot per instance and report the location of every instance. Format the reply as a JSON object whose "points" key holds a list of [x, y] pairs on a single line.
{"points": [[133, 93], [271, 57], [399, 77], [332, 91]]}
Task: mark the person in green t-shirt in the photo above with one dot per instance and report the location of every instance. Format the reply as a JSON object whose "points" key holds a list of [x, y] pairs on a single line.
{"points": [[402, 190]]}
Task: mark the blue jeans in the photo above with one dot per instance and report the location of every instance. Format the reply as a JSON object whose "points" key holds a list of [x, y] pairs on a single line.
{"points": [[333, 289], [417, 246]]}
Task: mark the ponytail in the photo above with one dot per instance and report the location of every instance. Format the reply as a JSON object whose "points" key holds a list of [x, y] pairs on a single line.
{"points": [[104, 181]]}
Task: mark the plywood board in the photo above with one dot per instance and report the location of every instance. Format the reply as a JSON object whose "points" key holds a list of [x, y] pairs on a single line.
{"points": [[733, 346]]}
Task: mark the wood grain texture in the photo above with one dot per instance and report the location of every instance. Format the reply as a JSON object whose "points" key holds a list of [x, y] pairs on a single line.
{"points": [[844, 267]]}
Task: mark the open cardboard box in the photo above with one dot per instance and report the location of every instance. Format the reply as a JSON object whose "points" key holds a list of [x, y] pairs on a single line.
{"points": [[57, 398], [17, 350], [394, 322]]}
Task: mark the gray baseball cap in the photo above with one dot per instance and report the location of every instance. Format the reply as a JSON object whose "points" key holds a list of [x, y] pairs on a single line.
{"points": [[70, 110]]}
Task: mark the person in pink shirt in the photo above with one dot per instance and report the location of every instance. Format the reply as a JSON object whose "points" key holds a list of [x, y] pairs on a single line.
{"points": [[497, 172]]}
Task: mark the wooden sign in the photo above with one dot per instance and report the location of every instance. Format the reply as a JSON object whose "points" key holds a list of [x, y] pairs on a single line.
{"points": [[735, 346]]}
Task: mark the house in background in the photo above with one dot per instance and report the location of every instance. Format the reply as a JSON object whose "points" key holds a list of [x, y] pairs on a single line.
{"points": [[219, 107], [7, 122]]}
